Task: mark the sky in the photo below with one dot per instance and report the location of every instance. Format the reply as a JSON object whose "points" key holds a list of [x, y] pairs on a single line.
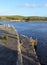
{"points": [[23, 7]]}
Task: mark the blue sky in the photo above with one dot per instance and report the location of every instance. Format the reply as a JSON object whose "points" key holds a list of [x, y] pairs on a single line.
{"points": [[23, 7]]}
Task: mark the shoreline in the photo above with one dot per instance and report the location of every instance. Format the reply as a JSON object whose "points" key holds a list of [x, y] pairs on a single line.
{"points": [[19, 21]]}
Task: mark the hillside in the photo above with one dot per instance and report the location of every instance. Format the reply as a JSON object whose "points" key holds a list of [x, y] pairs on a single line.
{"points": [[22, 18]]}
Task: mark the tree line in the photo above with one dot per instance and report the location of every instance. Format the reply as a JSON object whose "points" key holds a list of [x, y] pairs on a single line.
{"points": [[23, 18]]}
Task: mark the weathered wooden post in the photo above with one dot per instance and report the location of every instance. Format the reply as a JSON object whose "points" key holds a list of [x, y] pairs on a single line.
{"points": [[19, 53]]}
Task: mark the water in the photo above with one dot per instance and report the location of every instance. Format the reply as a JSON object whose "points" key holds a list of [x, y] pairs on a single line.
{"points": [[36, 30], [31, 29]]}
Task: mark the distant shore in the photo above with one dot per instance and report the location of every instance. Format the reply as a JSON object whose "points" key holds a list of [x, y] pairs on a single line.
{"points": [[26, 21], [19, 18], [20, 21]]}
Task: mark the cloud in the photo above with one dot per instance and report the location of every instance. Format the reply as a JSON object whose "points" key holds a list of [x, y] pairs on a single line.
{"points": [[45, 5], [27, 5], [30, 5], [33, 5]]}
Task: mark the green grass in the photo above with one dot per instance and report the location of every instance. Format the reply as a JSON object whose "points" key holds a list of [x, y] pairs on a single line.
{"points": [[5, 37]]}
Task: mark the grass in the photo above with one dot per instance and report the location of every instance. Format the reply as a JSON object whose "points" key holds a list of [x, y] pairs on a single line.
{"points": [[5, 37]]}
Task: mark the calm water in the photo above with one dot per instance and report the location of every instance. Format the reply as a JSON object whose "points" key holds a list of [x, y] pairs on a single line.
{"points": [[36, 30]]}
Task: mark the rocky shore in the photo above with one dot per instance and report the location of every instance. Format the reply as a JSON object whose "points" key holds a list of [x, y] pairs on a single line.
{"points": [[16, 49]]}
